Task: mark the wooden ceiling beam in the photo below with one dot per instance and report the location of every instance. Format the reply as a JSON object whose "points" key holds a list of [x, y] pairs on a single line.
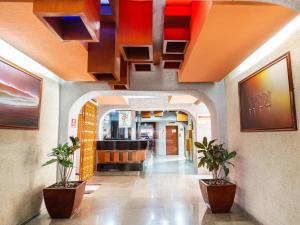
{"points": [[70, 20], [103, 58], [135, 30]]}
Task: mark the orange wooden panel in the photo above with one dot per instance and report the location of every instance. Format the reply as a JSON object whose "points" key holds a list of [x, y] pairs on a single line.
{"points": [[107, 157], [158, 114], [101, 156], [87, 135], [116, 157], [145, 114], [133, 156], [222, 46], [141, 155], [125, 156]]}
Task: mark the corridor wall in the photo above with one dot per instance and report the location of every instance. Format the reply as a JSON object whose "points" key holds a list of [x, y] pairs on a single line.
{"points": [[22, 153], [267, 165]]}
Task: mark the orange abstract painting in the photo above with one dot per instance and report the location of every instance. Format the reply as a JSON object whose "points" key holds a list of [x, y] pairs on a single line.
{"points": [[267, 98]]}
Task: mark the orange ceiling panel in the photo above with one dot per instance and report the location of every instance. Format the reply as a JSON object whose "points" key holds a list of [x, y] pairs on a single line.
{"points": [[231, 32], [23, 30]]}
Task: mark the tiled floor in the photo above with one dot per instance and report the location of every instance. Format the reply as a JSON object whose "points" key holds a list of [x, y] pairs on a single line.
{"points": [[166, 194]]}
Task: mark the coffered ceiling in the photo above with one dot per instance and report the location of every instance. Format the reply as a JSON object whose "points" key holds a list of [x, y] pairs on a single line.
{"points": [[219, 35], [22, 29]]}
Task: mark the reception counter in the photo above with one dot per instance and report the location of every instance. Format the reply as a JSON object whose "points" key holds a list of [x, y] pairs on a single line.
{"points": [[123, 155]]}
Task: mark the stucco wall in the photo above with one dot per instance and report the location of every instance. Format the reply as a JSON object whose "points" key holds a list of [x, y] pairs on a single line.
{"points": [[75, 94], [267, 166], [22, 153]]}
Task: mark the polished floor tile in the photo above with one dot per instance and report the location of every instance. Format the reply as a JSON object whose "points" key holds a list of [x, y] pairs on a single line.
{"points": [[167, 193]]}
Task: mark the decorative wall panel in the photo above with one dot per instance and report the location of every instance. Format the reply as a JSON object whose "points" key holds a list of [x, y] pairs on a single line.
{"points": [[87, 125]]}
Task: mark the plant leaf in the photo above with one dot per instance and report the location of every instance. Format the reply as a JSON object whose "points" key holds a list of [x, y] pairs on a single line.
{"points": [[226, 171], [202, 151], [202, 162], [231, 155], [211, 142], [205, 141], [230, 163], [65, 163], [50, 162], [199, 145]]}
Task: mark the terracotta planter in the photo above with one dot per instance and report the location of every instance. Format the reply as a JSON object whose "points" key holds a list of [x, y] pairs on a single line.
{"points": [[219, 198], [63, 202]]}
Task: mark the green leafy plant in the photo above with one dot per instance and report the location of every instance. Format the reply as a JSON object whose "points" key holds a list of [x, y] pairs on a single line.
{"points": [[64, 156], [214, 157]]}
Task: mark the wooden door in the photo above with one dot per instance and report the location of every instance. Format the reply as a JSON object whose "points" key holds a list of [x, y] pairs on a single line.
{"points": [[172, 140]]}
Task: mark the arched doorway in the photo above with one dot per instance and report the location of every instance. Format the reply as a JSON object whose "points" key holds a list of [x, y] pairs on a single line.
{"points": [[195, 112]]}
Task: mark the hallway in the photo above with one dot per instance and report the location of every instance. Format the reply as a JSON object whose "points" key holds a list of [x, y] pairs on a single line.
{"points": [[166, 194]]}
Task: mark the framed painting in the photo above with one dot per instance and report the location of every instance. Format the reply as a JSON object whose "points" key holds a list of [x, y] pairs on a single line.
{"points": [[267, 98], [20, 97], [124, 119]]}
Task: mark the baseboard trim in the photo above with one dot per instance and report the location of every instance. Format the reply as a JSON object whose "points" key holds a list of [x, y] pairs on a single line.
{"points": [[33, 217], [247, 214]]}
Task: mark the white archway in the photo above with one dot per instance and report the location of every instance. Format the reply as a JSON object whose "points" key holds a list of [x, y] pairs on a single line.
{"points": [[197, 132], [77, 105]]}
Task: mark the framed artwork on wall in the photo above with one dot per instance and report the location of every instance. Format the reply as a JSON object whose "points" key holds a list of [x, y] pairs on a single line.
{"points": [[20, 97], [267, 98], [124, 119]]}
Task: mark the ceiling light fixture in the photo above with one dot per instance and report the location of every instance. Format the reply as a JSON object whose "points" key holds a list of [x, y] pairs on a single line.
{"points": [[15, 56], [267, 48]]}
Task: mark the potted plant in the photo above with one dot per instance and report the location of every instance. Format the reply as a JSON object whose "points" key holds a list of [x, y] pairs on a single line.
{"points": [[63, 198], [217, 193]]}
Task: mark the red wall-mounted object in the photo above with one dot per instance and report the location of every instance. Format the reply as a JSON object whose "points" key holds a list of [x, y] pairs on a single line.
{"points": [[135, 30], [176, 27], [177, 32]]}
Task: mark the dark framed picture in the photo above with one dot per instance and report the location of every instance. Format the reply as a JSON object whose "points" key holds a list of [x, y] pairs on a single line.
{"points": [[20, 97], [267, 98]]}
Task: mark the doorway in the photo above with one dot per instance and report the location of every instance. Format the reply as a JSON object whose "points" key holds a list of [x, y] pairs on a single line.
{"points": [[172, 140]]}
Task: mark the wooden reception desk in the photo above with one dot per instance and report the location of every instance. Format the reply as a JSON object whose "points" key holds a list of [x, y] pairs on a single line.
{"points": [[123, 155]]}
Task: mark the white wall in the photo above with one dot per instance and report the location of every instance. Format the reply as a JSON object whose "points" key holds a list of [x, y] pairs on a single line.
{"points": [[22, 152], [75, 94], [267, 165]]}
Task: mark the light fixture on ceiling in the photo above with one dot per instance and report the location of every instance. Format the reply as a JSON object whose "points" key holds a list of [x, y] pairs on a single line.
{"points": [[15, 56], [268, 47]]}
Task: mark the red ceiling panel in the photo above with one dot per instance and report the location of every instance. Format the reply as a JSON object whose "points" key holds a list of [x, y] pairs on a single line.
{"points": [[178, 10], [135, 29]]}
